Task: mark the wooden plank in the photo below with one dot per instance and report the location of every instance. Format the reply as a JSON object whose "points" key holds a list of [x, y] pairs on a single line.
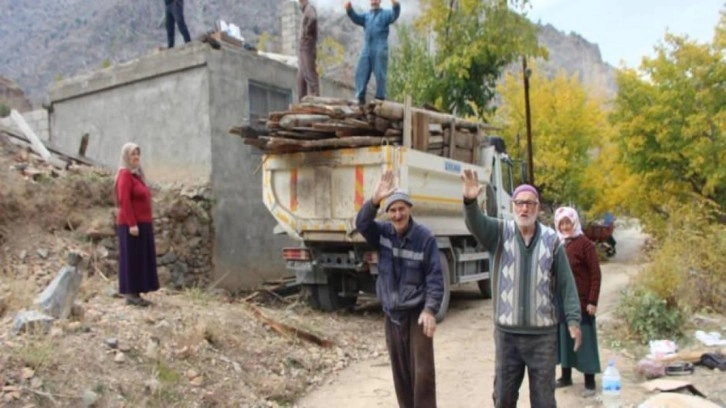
{"points": [[477, 149], [65, 158], [34, 140], [334, 126], [433, 140], [407, 140], [435, 129], [301, 120], [393, 132], [462, 155], [450, 142], [395, 111], [420, 131], [248, 131], [361, 124], [464, 140]]}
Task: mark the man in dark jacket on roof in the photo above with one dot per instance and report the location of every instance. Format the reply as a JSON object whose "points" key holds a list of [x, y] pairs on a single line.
{"points": [[175, 15], [410, 288]]}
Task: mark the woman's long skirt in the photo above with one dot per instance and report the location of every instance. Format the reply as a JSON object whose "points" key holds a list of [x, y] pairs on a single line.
{"points": [[137, 260], [587, 358]]}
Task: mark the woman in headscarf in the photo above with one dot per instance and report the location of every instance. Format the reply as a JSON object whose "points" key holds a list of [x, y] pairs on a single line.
{"points": [[137, 253], [585, 265]]}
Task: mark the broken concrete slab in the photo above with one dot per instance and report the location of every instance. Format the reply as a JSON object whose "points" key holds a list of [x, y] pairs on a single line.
{"points": [[32, 320], [675, 400], [57, 298]]}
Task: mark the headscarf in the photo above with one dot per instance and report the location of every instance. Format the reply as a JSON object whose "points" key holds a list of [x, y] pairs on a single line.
{"points": [[125, 164], [571, 214]]}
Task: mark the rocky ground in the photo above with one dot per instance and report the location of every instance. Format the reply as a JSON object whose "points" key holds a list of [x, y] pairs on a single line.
{"points": [[194, 347]]}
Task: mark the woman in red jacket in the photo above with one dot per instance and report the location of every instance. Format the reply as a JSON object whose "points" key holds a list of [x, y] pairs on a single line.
{"points": [[137, 252], [585, 265]]}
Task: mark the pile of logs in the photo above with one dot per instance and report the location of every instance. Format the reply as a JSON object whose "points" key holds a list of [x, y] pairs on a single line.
{"points": [[319, 123]]}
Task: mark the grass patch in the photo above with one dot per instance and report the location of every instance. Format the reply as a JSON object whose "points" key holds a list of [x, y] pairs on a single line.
{"points": [[166, 374]]}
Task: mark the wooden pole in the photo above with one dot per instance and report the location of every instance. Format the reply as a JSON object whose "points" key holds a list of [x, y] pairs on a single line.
{"points": [[526, 71], [407, 122]]}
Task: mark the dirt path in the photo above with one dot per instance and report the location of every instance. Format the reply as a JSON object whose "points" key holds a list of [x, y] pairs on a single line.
{"points": [[464, 350]]}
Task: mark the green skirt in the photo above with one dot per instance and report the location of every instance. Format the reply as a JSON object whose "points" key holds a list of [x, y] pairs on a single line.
{"points": [[587, 359]]}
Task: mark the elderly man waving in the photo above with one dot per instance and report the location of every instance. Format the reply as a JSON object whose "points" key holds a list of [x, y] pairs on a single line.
{"points": [[530, 277]]}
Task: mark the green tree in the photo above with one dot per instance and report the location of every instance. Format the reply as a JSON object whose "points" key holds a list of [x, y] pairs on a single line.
{"points": [[567, 126], [471, 42], [329, 54], [4, 110], [671, 119]]}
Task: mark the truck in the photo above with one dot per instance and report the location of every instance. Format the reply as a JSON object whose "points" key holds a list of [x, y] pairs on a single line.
{"points": [[316, 195]]}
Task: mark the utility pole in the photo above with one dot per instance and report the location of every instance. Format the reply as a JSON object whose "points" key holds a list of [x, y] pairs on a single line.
{"points": [[526, 73]]}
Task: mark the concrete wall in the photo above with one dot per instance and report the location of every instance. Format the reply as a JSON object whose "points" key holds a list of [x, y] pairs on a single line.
{"points": [[246, 250], [179, 105], [290, 18], [159, 102]]}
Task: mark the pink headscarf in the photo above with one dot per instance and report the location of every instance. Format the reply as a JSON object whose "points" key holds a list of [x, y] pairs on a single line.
{"points": [[571, 214]]}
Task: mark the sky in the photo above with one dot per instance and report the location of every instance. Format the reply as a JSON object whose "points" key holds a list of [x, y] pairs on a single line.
{"points": [[625, 30]]}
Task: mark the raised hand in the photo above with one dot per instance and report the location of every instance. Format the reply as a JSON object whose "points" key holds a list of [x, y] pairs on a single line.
{"points": [[471, 188], [384, 188]]}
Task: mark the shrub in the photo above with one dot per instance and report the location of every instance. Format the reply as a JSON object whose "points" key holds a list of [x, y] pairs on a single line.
{"points": [[649, 316]]}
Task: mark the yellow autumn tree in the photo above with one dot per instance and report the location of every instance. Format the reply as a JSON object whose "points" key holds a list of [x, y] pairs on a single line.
{"points": [[568, 126]]}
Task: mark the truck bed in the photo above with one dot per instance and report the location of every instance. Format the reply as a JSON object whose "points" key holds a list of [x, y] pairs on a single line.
{"points": [[315, 196]]}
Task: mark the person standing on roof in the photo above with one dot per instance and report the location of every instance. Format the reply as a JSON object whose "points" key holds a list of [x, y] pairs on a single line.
{"points": [[374, 56], [307, 73]]}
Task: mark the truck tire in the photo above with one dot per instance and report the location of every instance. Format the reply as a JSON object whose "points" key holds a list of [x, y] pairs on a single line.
{"points": [[446, 275], [327, 297], [485, 288]]}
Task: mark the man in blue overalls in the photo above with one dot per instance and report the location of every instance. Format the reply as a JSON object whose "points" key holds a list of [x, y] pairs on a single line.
{"points": [[374, 57]]}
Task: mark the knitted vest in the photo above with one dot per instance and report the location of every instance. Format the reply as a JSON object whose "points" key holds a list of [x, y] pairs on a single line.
{"points": [[524, 296]]}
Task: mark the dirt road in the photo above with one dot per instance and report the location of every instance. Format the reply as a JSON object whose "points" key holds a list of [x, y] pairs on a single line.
{"points": [[464, 350]]}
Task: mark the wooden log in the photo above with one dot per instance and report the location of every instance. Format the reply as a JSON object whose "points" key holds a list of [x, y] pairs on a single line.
{"points": [[301, 120], [464, 140], [420, 129], [435, 129], [304, 135], [287, 330], [354, 141], [248, 131], [395, 111], [334, 111], [380, 124], [276, 116], [393, 132], [335, 126], [407, 125], [324, 100], [434, 140], [449, 131]]}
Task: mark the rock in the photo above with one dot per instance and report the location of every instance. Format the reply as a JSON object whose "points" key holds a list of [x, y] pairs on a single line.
{"points": [[89, 398], [57, 298], [101, 252], [73, 222], [162, 246], [43, 253], [119, 357], [169, 257], [3, 306], [36, 383], [112, 291], [111, 342], [124, 347], [22, 255], [237, 368], [192, 374], [77, 311], [191, 227], [197, 382], [164, 275], [152, 348], [32, 320], [74, 326], [27, 373], [179, 275], [151, 386]]}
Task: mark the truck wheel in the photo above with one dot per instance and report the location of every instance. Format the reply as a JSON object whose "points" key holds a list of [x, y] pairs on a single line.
{"points": [[446, 275], [327, 297], [485, 288]]}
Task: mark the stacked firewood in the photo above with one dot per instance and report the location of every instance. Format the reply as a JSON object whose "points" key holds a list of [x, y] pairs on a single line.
{"points": [[319, 123]]}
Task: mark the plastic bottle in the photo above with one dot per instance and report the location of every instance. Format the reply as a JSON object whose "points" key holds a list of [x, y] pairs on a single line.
{"points": [[611, 386]]}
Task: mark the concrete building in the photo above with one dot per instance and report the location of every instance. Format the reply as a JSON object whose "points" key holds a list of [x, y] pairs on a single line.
{"points": [[179, 105], [290, 18]]}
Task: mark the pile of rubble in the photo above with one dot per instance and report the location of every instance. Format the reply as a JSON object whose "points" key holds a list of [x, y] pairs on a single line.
{"points": [[319, 123]]}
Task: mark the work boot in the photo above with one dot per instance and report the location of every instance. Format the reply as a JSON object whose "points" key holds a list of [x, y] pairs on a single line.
{"points": [[566, 379]]}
